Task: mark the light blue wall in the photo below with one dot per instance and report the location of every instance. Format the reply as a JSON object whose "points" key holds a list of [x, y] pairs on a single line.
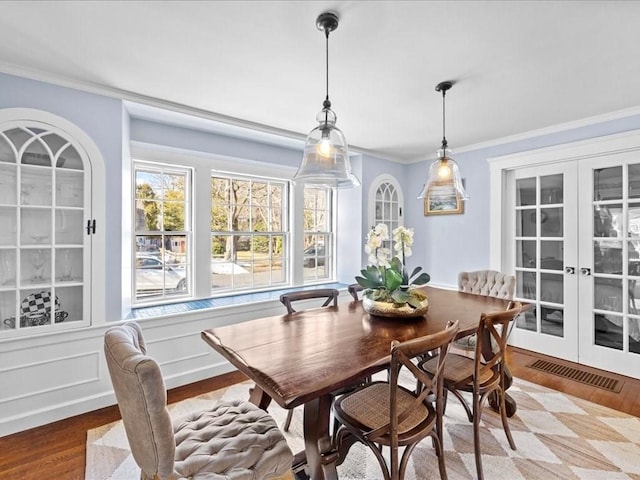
{"points": [[452, 243], [200, 141], [444, 245]]}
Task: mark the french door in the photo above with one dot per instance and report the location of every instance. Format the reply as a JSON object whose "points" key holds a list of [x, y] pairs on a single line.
{"points": [[609, 247], [573, 240], [543, 252]]}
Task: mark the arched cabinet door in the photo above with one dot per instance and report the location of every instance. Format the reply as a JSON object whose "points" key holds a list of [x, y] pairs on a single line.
{"points": [[386, 203], [48, 224]]}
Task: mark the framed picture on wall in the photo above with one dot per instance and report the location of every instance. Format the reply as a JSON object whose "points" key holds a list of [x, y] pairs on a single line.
{"points": [[443, 200]]}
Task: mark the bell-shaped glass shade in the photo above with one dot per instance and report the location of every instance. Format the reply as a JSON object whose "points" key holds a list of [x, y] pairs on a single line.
{"points": [[326, 156], [444, 174]]}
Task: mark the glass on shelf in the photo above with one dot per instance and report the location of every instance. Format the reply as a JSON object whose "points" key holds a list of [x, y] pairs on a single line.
{"points": [[69, 225], [35, 226], [7, 267], [35, 187], [68, 264], [35, 266], [70, 306], [69, 188]]}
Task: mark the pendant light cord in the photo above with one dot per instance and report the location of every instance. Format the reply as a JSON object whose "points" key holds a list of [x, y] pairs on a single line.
{"points": [[444, 139], [327, 103]]}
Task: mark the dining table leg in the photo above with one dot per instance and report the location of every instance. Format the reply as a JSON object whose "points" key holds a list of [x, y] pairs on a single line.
{"points": [[321, 457]]}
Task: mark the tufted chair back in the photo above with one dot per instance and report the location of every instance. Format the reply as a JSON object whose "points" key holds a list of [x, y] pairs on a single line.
{"points": [[489, 283], [234, 440]]}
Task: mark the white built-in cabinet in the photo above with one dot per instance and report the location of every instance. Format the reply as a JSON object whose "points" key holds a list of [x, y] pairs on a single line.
{"points": [[46, 228]]}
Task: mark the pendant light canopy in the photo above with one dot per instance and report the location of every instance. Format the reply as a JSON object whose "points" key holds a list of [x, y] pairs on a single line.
{"points": [[444, 174], [326, 155]]}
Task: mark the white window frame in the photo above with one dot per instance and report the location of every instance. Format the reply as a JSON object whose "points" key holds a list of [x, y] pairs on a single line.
{"points": [[330, 244], [163, 168], [284, 232], [204, 165]]}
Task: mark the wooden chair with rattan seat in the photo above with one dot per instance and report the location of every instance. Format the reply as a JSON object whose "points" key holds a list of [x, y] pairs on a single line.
{"points": [[384, 413], [354, 289], [330, 296], [481, 375]]}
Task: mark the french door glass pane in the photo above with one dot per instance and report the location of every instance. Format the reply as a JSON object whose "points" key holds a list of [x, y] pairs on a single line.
{"points": [[525, 253], [552, 254], [551, 190], [607, 184], [634, 181], [526, 191], [551, 222]]}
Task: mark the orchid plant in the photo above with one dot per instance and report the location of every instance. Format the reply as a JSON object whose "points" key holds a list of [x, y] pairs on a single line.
{"points": [[385, 278]]}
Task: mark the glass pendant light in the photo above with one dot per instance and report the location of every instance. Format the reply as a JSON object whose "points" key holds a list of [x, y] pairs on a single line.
{"points": [[326, 156], [444, 174]]}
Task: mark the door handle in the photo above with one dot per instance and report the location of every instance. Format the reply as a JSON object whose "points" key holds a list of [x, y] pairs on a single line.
{"points": [[570, 270], [585, 271]]}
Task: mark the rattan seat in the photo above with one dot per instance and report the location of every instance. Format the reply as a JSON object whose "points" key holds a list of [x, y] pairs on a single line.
{"points": [[387, 414], [482, 375]]}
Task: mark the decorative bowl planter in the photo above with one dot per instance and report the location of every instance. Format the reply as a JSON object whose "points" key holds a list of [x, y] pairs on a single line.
{"points": [[394, 310]]}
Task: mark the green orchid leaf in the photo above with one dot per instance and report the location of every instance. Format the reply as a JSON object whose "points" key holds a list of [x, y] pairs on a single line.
{"points": [[414, 301], [415, 272], [367, 283], [422, 279], [400, 296], [393, 280], [396, 265]]}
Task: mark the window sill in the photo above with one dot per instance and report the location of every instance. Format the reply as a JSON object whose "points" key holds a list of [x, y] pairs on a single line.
{"points": [[211, 303]]}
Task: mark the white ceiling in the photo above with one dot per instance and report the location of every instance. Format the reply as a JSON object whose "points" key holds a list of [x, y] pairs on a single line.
{"points": [[518, 65]]}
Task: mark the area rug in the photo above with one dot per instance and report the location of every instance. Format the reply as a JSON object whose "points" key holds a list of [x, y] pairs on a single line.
{"points": [[558, 437]]}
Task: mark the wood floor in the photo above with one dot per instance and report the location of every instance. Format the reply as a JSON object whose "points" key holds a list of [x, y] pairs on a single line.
{"points": [[57, 451]]}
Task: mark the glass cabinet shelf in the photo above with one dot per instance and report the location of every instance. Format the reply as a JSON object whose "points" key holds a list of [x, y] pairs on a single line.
{"points": [[43, 238]]}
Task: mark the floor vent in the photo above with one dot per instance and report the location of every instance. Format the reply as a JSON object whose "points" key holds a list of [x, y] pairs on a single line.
{"points": [[593, 379]]}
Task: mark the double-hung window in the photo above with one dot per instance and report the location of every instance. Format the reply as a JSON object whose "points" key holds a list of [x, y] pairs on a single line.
{"points": [[249, 237], [318, 234], [162, 219], [207, 227]]}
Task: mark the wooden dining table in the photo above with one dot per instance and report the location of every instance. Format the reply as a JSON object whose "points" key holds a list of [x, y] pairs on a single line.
{"points": [[300, 358]]}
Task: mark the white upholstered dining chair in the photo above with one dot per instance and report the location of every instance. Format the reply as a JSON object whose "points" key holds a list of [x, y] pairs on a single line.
{"points": [[232, 440], [489, 283]]}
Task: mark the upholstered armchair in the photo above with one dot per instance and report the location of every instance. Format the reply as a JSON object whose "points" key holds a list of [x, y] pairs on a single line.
{"points": [[489, 283], [232, 440]]}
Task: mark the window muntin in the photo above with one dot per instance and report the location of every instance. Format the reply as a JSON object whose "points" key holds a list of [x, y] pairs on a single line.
{"points": [[318, 235], [249, 240], [163, 233]]}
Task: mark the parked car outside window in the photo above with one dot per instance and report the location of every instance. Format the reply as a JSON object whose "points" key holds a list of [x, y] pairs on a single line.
{"points": [[153, 276], [313, 256]]}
